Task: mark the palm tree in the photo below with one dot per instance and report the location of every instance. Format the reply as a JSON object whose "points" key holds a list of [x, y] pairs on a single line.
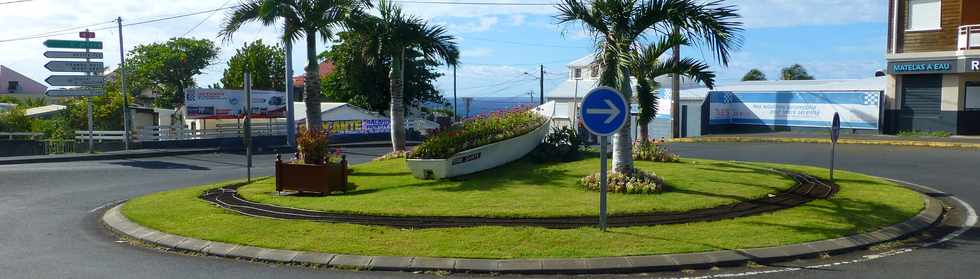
{"points": [[389, 36], [647, 66], [303, 19], [619, 27]]}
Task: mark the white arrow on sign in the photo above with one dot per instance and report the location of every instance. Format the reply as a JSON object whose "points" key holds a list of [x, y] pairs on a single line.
{"points": [[81, 92], [67, 80], [612, 111], [73, 54], [74, 67]]}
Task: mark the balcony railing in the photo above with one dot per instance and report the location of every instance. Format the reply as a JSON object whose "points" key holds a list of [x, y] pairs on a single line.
{"points": [[969, 37]]}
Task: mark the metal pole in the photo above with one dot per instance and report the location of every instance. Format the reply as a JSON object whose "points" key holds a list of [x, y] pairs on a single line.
{"points": [[541, 80], [575, 108], [455, 104], [833, 157], [290, 118], [603, 187], [122, 86], [91, 130], [248, 125]]}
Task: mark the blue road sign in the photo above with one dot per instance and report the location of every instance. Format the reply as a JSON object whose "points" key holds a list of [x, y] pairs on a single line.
{"points": [[604, 111], [835, 128]]}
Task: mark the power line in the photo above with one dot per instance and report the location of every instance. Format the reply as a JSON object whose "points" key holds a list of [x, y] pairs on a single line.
{"points": [[12, 2], [475, 3], [205, 19], [526, 44]]}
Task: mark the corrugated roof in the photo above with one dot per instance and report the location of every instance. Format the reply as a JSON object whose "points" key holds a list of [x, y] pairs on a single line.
{"points": [[43, 111], [583, 62], [299, 109]]}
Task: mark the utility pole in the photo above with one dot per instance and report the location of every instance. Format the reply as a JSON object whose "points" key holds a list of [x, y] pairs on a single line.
{"points": [[91, 121], [290, 118], [541, 80], [122, 86], [675, 94], [248, 125], [455, 104], [466, 104]]}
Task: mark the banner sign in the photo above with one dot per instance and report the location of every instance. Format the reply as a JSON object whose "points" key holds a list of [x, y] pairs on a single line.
{"points": [[858, 109], [358, 127], [230, 104]]}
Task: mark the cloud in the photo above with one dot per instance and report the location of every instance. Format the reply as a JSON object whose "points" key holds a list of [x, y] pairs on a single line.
{"points": [[480, 25], [518, 20], [476, 52]]}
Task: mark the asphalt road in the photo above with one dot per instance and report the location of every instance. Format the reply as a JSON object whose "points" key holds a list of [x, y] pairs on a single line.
{"points": [[49, 214]]}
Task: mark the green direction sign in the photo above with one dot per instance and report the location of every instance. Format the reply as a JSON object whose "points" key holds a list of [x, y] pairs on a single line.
{"points": [[73, 44]]}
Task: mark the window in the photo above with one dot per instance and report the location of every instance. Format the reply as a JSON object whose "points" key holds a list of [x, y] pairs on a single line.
{"points": [[577, 74], [924, 15], [973, 96], [595, 70], [12, 86]]}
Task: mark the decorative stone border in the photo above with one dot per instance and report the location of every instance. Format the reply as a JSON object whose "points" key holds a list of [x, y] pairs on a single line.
{"points": [[115, 221]]}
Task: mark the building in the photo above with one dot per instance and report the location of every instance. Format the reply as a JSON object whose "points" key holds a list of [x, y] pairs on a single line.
{"points": [[17, 85], [326, 68], [933, 66], [583, 76]]}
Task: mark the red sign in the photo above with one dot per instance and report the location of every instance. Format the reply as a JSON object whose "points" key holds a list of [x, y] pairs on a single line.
{"points": [[86, 35]]}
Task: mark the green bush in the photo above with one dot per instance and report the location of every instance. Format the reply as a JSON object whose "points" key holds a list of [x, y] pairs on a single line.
{"points": [[638, 182], [561, 145], [479, 131], [655, 151]]}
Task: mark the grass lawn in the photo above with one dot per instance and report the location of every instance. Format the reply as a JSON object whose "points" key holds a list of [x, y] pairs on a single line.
{"points": [[864, 203], [526, 189]]}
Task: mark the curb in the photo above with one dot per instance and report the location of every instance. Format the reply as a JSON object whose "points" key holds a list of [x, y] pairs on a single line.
{"points": [[933, 144], [105, 156], [114, 220]]}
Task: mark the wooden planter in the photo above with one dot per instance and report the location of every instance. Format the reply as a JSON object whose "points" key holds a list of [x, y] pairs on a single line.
{"points": [[322, 179]]}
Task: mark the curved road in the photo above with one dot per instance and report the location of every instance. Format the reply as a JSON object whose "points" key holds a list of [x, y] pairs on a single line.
{"points": [[49, 214]]}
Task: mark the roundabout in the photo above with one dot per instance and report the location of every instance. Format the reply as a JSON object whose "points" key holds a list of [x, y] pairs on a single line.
{"points": [[863, 211]]}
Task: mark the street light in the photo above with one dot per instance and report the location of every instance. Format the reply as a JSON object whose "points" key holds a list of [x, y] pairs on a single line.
{"points": [[575, 104]]}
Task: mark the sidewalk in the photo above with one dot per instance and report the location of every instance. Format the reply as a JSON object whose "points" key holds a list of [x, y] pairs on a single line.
{"points": [[874, 139]]}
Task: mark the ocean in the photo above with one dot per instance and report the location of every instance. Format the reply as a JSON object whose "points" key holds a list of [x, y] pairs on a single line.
{"points": [[480, 105]]}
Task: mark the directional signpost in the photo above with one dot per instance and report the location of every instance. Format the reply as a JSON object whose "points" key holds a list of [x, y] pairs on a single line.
{"points": [[834, 136], [88, 85], [604, 112]]}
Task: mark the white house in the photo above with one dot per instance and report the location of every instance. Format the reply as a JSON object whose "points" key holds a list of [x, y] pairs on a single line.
{"points": [[18, 85], [583, 76]]}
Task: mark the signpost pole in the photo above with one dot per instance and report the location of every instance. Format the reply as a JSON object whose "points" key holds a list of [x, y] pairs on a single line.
{"points": [[248, 125], [122, 87], [834, 136], [603, 184], [91, 130], [290, 118]]}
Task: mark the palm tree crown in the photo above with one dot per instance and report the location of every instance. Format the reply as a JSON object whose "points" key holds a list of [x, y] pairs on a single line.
{"points": [[302, 19]]}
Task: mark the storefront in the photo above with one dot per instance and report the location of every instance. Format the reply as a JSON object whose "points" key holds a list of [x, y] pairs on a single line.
{"points": [[934, 95]]}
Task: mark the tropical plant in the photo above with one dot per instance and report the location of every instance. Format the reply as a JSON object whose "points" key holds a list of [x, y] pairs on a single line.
{"points": [[171, 65], [561, 145], [619, 27], [391, 35], [647, 65], [479, 131], [266, 65], [795, 72], [302, 18], [754, 75], [638, 182], [312, 147]]}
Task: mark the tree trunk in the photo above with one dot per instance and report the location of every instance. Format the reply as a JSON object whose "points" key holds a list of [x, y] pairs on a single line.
{"points": [[622, 142], [675, 94], [314, 122], [396, 76], [644, 131]]}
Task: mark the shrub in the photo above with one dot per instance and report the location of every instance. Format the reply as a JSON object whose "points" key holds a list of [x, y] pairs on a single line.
{"points": [[656, 151], [479, 131], [313, 147], [561, 145], [638, 182], [394, 155]]}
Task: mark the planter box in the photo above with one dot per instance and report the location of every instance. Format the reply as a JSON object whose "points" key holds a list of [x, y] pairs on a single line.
{"points": [[322, 179], [483, 157]]}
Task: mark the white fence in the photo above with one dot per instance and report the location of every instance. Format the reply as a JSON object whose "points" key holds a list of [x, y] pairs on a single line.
{"points": [[100, 135], [12, 136], [177, 132]]}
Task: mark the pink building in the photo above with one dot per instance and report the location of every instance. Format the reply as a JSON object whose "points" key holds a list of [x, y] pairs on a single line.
{"points": [[18, 85]]}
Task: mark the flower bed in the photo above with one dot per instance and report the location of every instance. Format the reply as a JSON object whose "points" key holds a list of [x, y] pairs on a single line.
{"points": [[479, 131]]}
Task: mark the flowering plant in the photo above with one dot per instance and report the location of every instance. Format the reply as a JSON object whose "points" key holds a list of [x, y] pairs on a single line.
{"points": [[479, 131], [655, 150], [638, 182]]}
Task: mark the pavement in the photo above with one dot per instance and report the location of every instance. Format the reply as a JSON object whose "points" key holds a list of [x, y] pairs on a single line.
{"points": [[50, 216]]}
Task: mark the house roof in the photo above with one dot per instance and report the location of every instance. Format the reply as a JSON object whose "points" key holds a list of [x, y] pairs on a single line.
{"points": [[583, 62], [299, 110], [566, 89], [43, 111], [326, 68]]}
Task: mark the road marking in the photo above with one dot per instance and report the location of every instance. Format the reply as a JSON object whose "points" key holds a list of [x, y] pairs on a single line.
{"points": [[108, 204]]}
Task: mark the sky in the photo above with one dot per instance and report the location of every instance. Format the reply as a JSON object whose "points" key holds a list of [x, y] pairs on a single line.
{"points": [[833, 39]]}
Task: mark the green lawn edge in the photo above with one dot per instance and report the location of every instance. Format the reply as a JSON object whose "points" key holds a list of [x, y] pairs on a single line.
{"points": [[525, 189], [863, 204]]}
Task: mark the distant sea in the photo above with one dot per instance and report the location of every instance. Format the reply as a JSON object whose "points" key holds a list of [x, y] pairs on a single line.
{"points": [[480, 105]]}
